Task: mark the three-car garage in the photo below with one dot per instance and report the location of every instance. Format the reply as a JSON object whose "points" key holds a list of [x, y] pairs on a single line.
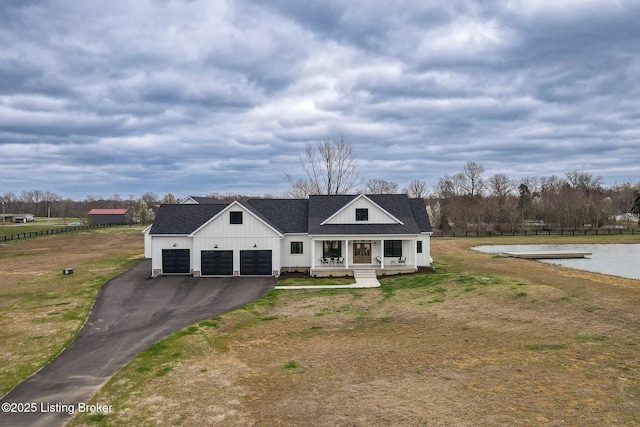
{"points": [[219, 262]]}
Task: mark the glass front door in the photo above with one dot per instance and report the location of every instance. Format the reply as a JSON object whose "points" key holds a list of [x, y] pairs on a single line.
{"points": [[362, 253]]}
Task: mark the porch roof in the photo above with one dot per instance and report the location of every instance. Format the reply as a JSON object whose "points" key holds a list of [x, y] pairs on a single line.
{"points": [[351, 235]]}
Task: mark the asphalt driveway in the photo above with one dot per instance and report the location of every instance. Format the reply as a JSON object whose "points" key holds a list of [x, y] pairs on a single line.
{"points": [[131, 312]]}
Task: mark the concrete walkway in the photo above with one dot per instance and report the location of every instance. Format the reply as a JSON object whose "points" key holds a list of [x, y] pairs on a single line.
{"points": [[131, 312], [364, 279]]}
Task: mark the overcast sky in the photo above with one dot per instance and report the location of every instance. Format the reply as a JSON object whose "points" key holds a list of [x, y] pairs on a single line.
{"points": [[193, 97]]}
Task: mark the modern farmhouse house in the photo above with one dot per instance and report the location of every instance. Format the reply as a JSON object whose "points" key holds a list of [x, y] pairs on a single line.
{"points": [[322, 234]]}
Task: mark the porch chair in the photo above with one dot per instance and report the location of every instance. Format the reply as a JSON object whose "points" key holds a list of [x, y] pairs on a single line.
{"points": [[324, 261], [340, 260], [379, 260], [402, 260]]}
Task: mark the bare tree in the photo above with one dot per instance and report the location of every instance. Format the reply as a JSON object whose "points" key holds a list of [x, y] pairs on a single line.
{"points": [[501, 186], [380, 186], [417, 189], [149, 198], [300, 188], [449, 186], [501, 202], [472, 181], [583, 180], [330, 166]]}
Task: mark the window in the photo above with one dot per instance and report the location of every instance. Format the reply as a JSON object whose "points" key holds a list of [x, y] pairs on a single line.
{"points": [[235, 217], [419, 247], [296, 247], [393, 248], [362, 214], [332, 249]]}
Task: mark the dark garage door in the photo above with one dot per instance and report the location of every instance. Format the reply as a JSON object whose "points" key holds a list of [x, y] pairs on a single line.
{"points": [[176, 261], [217, 263], [255, 263]]}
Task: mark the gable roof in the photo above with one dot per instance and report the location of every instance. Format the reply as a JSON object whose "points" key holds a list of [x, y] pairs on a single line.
{"points": [[242, 205], [107, 211], [353, 201], [398, 205], [183, 219]]}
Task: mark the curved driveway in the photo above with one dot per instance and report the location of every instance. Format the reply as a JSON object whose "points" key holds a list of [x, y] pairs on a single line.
{"points": [[131, 312]]}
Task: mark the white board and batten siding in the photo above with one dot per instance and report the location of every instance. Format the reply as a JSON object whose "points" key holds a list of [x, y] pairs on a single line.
{"points": [[148, 242], [220, 234], [424, 259], [296, 261], [347, 215], [161, 242]]}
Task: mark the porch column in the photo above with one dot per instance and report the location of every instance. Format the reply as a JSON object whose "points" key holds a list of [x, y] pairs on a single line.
{"points": [[313, 254], [382, 253], [346, 254]]}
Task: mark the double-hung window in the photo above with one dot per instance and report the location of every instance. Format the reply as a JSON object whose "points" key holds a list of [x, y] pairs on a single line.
{"points": [[296, 247]]}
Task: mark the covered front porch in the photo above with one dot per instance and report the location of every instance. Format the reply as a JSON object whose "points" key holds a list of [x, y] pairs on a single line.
{"points": [[340, 256]]}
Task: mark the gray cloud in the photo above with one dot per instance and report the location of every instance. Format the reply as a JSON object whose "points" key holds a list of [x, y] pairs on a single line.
{"points": [[193, 97]]}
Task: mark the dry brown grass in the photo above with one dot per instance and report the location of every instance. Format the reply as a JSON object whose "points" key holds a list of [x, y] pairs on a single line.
{"points": [[483, 341], [40, 309]]}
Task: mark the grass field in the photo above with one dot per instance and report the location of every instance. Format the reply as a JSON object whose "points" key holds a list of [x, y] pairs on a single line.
{"points": [[39, 224], [482, 341], [41, 310]]}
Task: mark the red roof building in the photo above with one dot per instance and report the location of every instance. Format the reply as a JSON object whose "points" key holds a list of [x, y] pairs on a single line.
{"points": [[107, 216]]}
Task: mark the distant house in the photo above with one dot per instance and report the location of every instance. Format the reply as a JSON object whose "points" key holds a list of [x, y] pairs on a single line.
{"points": [[627, 217], [107, 216], [193, 200], [324, 235], [16, 218]]}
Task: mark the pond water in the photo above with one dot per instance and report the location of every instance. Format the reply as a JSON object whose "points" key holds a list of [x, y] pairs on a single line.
{"points": [[621, 260]]}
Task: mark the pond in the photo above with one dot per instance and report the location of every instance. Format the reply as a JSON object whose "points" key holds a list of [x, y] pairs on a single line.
{"points": [[621, 260]]}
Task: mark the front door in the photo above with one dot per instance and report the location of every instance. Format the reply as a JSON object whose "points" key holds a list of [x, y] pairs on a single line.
{"points": [[362, 253]]}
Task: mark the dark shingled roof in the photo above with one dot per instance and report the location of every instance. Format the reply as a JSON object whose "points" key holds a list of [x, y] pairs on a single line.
{"points": [[285, 215], [419, 209], [398, 205], [183, 219], [301, 215]]}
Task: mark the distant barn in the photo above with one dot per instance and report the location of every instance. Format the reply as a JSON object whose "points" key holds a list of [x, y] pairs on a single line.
{"points": [[107, 216]]}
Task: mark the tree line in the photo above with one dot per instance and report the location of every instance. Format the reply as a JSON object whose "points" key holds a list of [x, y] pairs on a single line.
{"points": [[469, 201], [49, 204], [465, 201]]}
